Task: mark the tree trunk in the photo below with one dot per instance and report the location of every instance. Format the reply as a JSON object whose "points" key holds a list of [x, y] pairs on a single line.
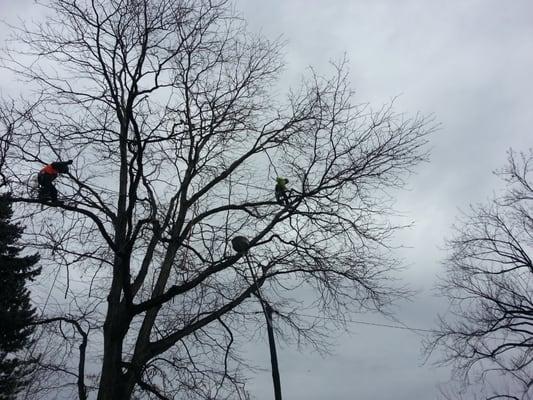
{"points": [[115, 327], [111, 381]]}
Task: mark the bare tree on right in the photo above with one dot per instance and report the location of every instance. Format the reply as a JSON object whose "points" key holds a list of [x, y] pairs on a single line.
{"points": [[488, 334]]}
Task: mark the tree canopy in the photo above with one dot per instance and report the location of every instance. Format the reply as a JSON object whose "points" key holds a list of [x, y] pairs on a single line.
{"points": [[170, 112], [488, 336]]}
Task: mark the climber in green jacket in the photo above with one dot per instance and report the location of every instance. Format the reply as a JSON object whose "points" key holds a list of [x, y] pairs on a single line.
{"points": [[282, 196]]}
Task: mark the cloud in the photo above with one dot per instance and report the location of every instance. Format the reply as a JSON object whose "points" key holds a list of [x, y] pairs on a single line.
{"points": [[469, 63]]}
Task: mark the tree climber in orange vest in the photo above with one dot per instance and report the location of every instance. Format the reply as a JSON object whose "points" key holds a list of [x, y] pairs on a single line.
{"points": [[47, 175]]}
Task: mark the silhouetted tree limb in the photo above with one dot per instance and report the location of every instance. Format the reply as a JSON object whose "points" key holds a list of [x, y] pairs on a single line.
{"points": [[82, 390]]}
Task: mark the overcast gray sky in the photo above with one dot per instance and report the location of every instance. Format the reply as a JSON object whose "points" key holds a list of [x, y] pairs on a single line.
{"points": [[469, 62]]}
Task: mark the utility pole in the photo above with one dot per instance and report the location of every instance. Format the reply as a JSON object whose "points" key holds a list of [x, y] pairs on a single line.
{"points": [[273, 355], [268, 311]]}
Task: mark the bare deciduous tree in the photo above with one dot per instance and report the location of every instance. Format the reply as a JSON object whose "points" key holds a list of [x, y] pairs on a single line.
{"points": [[488, 336], [168, 109]]}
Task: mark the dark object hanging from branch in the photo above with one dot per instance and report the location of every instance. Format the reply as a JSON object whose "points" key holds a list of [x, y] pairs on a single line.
{"points": [[240, 244]]}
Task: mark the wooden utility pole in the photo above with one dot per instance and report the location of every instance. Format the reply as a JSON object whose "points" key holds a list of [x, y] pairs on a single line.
{"points": [[268, 311], [273, 355]]}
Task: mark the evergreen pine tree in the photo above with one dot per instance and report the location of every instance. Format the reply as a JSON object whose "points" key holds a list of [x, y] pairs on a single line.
{"points": [[16, 312]]}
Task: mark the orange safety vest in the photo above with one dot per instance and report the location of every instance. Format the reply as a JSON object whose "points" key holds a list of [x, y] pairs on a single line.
{"points": [[49, 170]]}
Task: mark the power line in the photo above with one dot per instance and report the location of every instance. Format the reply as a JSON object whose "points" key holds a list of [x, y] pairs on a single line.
{"points": [[353, 321]]}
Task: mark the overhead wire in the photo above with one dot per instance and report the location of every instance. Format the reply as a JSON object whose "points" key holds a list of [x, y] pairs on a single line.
{"points": [[376, 324]]}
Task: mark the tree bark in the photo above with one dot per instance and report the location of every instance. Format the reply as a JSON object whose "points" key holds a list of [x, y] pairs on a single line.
{"points": [[115, 327], [112, 379]]}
